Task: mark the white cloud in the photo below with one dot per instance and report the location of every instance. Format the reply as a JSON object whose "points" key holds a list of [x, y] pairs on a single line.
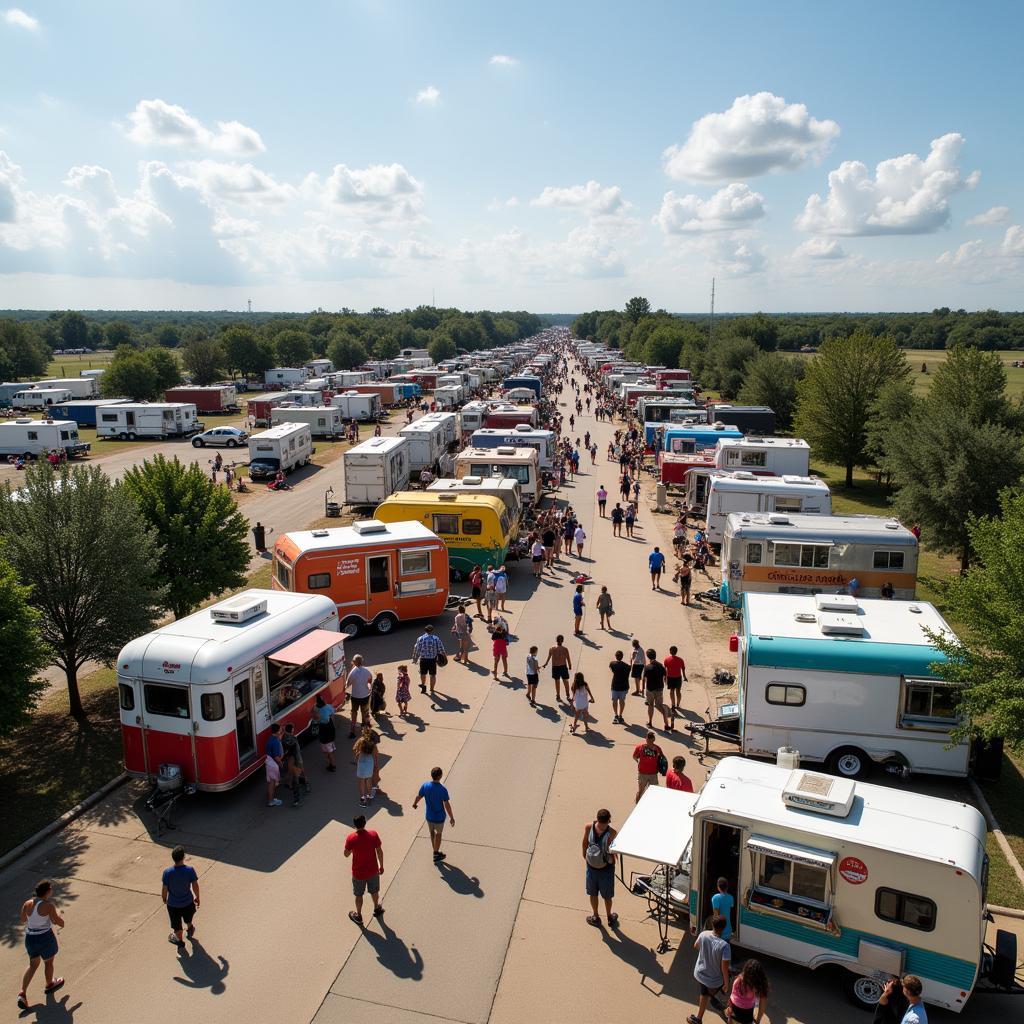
{"points": [[430, 96], [381, 192], [1013, 241], [738, 259], [413, 249], [238, 183], [591, 199], [158, 123], [10, 181], [734, 206], [907, 196], [504, 61], [19, 19], [992, 216], [820, 249], [757, 134], [968, 253]]}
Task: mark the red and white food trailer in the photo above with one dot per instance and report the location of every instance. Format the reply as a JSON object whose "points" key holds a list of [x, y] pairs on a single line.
{"points": [[201, 693], [510, 416], [663, 377], [676, 466]]}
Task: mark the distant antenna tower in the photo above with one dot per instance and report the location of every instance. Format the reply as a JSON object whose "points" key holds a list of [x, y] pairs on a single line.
{"points": [[711, 319], [433, 298], [250, 305]]}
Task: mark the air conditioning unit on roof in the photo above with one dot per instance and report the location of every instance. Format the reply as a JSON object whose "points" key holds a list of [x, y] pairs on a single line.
{"points": [[812, 791], [238, 609], [364, 526]]}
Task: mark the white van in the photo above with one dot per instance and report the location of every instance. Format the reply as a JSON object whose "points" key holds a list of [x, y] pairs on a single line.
{"points": [[36, 438], [285, 447], [745, 492], [40, 398]]}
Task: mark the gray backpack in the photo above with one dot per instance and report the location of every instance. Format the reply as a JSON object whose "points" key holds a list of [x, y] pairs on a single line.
{"points": [[597, 848]]}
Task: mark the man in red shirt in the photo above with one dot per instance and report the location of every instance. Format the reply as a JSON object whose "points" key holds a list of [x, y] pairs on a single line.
{"points": [[675, 676], [363, 846], [675, 779], [647, 755]]}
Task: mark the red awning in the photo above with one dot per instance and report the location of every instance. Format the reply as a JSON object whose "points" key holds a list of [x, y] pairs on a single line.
{"points": [[308, 647]]}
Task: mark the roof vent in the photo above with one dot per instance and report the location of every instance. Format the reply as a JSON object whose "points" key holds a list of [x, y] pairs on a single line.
{"points": [[320, 533], [825, 794], [522, 427], [836, 603], [743, 474], [238, 609], [777, 519], [892, 525], [365, 526], [837, 624], [472, 481], [24, 419], [505, 450], [805, 617]]}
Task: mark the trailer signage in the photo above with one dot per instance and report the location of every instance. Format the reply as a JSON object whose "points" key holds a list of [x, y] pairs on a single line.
{"points": [[853, 870]]}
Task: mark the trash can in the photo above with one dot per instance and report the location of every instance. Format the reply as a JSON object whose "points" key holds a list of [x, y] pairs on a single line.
{"points": [[259, 537]]}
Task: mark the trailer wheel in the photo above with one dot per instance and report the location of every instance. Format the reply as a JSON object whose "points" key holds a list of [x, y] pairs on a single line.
{"points": [[861, 991], [383, 624], [351, 626], [123, 436], [198, 442], [132, 435], [848, 763]]}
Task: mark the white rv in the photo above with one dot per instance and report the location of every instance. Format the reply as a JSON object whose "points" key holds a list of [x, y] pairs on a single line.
{"points": [[450, 425], [745, 492], [775, 456], [354, 406], [323, 420], [497, 486], [36, 438], [827, 872], [319, 367], [778, 553], [427, 442], [375, 469], [846, 682], [519, 464], [148, 419], [40, 398], [450, 396], [80, 387], [286, 377], [285, 447]]}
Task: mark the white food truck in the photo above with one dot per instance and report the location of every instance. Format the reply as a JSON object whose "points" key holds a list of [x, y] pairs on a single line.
{"points": [[519, 464], [36, 438], [148, 419], [40, 398], [427, 442], [848, 683], [323, 420], [80, 387], [375, 469], [780, 553], [450, 396], [827, 872], [745, 492], [285, 447], [354, 406]]}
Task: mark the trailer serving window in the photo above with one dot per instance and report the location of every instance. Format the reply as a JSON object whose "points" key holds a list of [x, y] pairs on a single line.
{"points": [[791, 880], [928, 703], [300, 669], [318, 581], [906, 909], [804, 556], [753, 458], [413, 563], [444, 523]]}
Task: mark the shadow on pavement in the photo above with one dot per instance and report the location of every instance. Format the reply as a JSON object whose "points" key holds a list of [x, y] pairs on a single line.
{"points": [[53, 1011], [458, 881], [393, 954], [202, 970]]}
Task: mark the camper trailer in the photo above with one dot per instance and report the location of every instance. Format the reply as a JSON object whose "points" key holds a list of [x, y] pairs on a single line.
{"points": [[80, 387], [695, 438], [215, 399], [450, 396], [354, 406], [519, 464], [286, 377], [84, 411], [198, 695], [508, 417], [282, 448], [259, 409], [374, 469], [451, 430], [663, 409], [377, 574], [502, 487], [778, 553], [319, 367], [473, 415], [37, 438], [523, 381], [765, 456], [428, 440], [848, 682], [522, 436], [751, 419], [36, 399], [828, 872], [130, 420], [744, 492], [323, 420], [389, 393]]}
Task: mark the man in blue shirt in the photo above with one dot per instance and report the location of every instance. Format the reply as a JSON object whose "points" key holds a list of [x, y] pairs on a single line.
{"points": [[435, 797], [180, 894], [656, 562], [275, 754], [577, 609], [722, 903]]}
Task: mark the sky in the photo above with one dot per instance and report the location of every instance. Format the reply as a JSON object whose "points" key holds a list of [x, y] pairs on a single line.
{"points": [[554, 157]]}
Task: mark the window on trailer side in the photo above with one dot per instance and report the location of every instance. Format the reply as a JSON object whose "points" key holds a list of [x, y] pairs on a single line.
{"points": [[927, 702], [169, 701], [445, 523], [414, 563], [802, 881], [888, 560], [906, 909]]}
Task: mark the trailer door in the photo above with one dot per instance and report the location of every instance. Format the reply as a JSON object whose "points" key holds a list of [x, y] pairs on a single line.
{"points": [[379, 596], [168, 727], [245, 734]]}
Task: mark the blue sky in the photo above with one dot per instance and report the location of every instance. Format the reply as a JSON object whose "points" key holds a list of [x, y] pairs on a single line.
{"points": [[549, 156]]}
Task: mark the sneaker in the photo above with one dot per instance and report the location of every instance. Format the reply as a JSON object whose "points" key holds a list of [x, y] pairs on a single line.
{"points": [[274, 803], [175, 941], [378, 911], [190, 931], [438, 856], [373, 792]]}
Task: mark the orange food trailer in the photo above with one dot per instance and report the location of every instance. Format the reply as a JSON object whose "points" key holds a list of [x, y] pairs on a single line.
{"points": [[378, 574]]}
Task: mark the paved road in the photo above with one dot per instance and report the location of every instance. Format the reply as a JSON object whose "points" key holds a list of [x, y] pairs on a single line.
{"points": [[497, 934]]}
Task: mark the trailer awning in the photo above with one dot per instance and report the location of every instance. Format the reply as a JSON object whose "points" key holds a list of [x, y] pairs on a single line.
{"points": [[307, 647], [659, 826], [790, 851]]}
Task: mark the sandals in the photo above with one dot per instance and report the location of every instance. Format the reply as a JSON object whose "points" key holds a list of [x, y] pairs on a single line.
{"points": [[613, 920], [54, 985], [378, 911], [22, 1001], [357, 918], [594, 920]]}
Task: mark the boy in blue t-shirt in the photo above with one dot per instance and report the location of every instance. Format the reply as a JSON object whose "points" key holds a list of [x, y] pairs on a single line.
{"points": [[438, 804], [722, 903], [180, 893]]}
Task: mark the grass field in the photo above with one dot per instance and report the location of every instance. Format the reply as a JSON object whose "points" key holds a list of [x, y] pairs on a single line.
{"points": [[72, 366]]}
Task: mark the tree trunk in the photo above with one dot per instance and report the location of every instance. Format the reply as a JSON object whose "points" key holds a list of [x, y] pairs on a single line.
{"points": [[849, 474], [74, 697], [965, 559]]}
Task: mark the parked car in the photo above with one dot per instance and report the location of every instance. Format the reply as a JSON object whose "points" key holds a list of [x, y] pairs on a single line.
{"points": [[221, 437]]}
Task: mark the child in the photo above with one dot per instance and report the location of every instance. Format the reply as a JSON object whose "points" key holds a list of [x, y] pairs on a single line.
{"points": [[581, 699], [378, 695], [500, 650], [402, 691], [365, 751], [532, 676]]}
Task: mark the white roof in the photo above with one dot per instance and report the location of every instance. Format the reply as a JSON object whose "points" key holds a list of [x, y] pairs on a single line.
{"points": [[659, 826], [768, 484], [481, 484], [522, 454], [347, 536], [419, 427], [281, 430], [923, 827], [764, 443], [134, 406], [377, 445], [798, 526], [885, 622], [25, 423]]}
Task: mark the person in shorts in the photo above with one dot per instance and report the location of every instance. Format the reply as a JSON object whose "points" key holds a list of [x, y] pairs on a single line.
{"points": [[323, 717], [620, 688], [711, 970], [180, 893], [532, 676], [654, 690], [617, 517], [476, 580], [597, 838], [647, 755], [675, 676], [272, 762], [548, 538], [437, 805], [561, 663], [537, 556], [360, 678], [636, 668], [427, 649], [39, 914], [364, 847]]}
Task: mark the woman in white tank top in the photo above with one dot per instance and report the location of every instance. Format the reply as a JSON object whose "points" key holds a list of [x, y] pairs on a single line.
{"points": [[39, 914]]}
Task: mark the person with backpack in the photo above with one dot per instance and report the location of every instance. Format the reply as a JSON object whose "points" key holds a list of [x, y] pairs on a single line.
{"points": [[649, 759], [597, 839]]}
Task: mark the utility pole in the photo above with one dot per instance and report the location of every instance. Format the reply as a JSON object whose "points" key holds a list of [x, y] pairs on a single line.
{"points": [[711, 319]]}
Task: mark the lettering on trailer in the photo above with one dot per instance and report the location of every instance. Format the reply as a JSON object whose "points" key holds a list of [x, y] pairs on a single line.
{"points": [[853, 870], [827, 579], [347, 567], [170, 667]]}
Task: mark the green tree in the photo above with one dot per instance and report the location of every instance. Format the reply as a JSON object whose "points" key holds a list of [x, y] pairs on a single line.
{"points": [[386, 347], [205, 359], [168, 336], [974, 383], [74, 330], [441, 348], [200, 532], [119, 333], [164, 366], [987, 656], [246, 353], [130, 375], [25, 652], [294, 348], [724, 363], [762, 330], [895, 403], [835, 397], [637, 308], [346, 352], [22, 352], [771, 379], [79, 542]]}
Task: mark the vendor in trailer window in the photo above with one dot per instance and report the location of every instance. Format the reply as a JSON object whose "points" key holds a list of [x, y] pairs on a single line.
{"points": [[290, 684]]}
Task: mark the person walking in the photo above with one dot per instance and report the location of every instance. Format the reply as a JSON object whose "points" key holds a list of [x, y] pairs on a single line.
{"points": [[429, 652], [365, 750], [549, 538], [675, 676], [749, 990], [675, 779], [656, 563], [597, 855], [630, 519], [602, 500], [620, 688], [39, 914], [462, 627], [648, 756], [499, 648], [537, 556], [437, 805], [532, 675], [654, 687], [568, 531], [476, 582], [179, 890], [684, 577], [359, 681], [580, 536], [636, 668], [712, 967], [272, 763], [402, 690], [292, 764], [501, 586], [561, 664], [605, 609], [577, 609], [617, 518], [322, 716], [582, 698], [490, 592], [364, 847]]}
